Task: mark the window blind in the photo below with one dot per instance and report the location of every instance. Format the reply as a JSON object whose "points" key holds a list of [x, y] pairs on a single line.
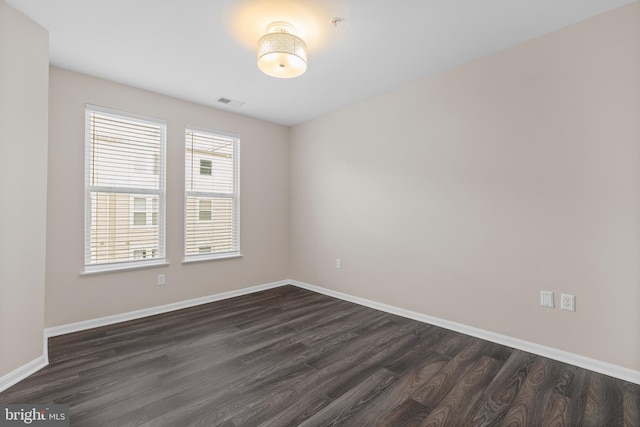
{"points": [[211, 194], [124, 218]]}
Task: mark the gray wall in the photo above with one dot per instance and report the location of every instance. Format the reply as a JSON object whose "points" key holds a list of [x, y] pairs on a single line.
{"points": [[72, 297], [24, 68], [462, 195]]}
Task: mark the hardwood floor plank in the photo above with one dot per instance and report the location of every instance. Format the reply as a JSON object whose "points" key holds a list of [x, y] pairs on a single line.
{"points": [[317, 315], [573, 384], [341, 410], [434, 390], [360, 347], [423, 348], [295, 411], [364, 368], [400, 391], [408, 414], [249, 405], [453, 344], [343, 329], [631, 404], [461, 399], [604, 402], [288, 356], [530, 404], [278, 400], [215, 403], [502, 391], [558, 413]]}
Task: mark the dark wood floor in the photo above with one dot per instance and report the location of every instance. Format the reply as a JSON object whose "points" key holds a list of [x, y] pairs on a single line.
{"points": [[288, 356]]}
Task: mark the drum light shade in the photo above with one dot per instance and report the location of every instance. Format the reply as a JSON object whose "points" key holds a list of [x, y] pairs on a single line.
{"points": [[281, 53]]}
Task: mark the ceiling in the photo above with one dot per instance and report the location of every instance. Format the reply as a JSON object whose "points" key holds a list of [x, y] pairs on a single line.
{"points": [[201, 50]]}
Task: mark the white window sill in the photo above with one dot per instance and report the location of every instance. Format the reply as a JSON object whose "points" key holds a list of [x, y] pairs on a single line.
{"points": [[112, 268], [211, 257]]}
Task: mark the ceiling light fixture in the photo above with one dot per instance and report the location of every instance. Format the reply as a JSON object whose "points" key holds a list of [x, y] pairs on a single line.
{"points": [[281, 53]]}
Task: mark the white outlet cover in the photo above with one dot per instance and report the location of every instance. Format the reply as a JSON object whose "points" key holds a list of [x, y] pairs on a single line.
{"points": [[568, 302], [546, 299]]}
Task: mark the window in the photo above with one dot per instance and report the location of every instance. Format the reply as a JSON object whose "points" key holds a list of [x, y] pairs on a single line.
{"points": [[205, 167], [144, 253], [145, 211], [140, 211], [139, 253], [124, 190], [204, 210], [211, 194]]}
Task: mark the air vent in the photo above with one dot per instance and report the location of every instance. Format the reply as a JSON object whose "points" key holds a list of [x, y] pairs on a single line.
{"points": [[231, 102]]}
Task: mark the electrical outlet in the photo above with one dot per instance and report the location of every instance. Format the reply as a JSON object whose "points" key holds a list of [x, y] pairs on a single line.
{"points": [[338, 263], [546, 299], [568, 302], [160, 279]]}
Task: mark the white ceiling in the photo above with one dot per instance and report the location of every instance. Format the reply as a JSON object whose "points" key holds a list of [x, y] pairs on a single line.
{"points": [[201, 50]]}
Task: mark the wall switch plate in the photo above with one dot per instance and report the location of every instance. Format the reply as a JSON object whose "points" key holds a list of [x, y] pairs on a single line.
{"points": [[338, 263], [568, 302], [546, 299], [160, 279]]}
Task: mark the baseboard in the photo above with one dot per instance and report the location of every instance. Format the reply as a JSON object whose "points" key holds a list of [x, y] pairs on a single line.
{"points": [[605, 368], [45, 348], [23, 372], [132, 315]]}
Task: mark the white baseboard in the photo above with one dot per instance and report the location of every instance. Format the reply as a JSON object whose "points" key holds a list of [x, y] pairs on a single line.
{"points": [[132, 315], [45, 348], [23, 372], [605, 368]]}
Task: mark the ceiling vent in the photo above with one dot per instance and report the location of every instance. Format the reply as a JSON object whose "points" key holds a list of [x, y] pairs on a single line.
{"points": [[231, 102]]}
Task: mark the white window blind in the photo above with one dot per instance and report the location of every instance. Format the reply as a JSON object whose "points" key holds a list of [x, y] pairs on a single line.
{"points": [[124, 191], [211, 194]]}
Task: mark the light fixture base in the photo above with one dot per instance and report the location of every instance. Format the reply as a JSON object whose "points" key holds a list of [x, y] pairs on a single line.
{"points": [[281, 27]]}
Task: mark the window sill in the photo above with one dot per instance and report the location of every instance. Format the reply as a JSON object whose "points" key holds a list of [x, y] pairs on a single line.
{"points": [[203, 258], [114, 268]]}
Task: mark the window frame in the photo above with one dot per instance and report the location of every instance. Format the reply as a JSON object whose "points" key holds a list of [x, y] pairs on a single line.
{"points": [[235, 197], [160, 193]]}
